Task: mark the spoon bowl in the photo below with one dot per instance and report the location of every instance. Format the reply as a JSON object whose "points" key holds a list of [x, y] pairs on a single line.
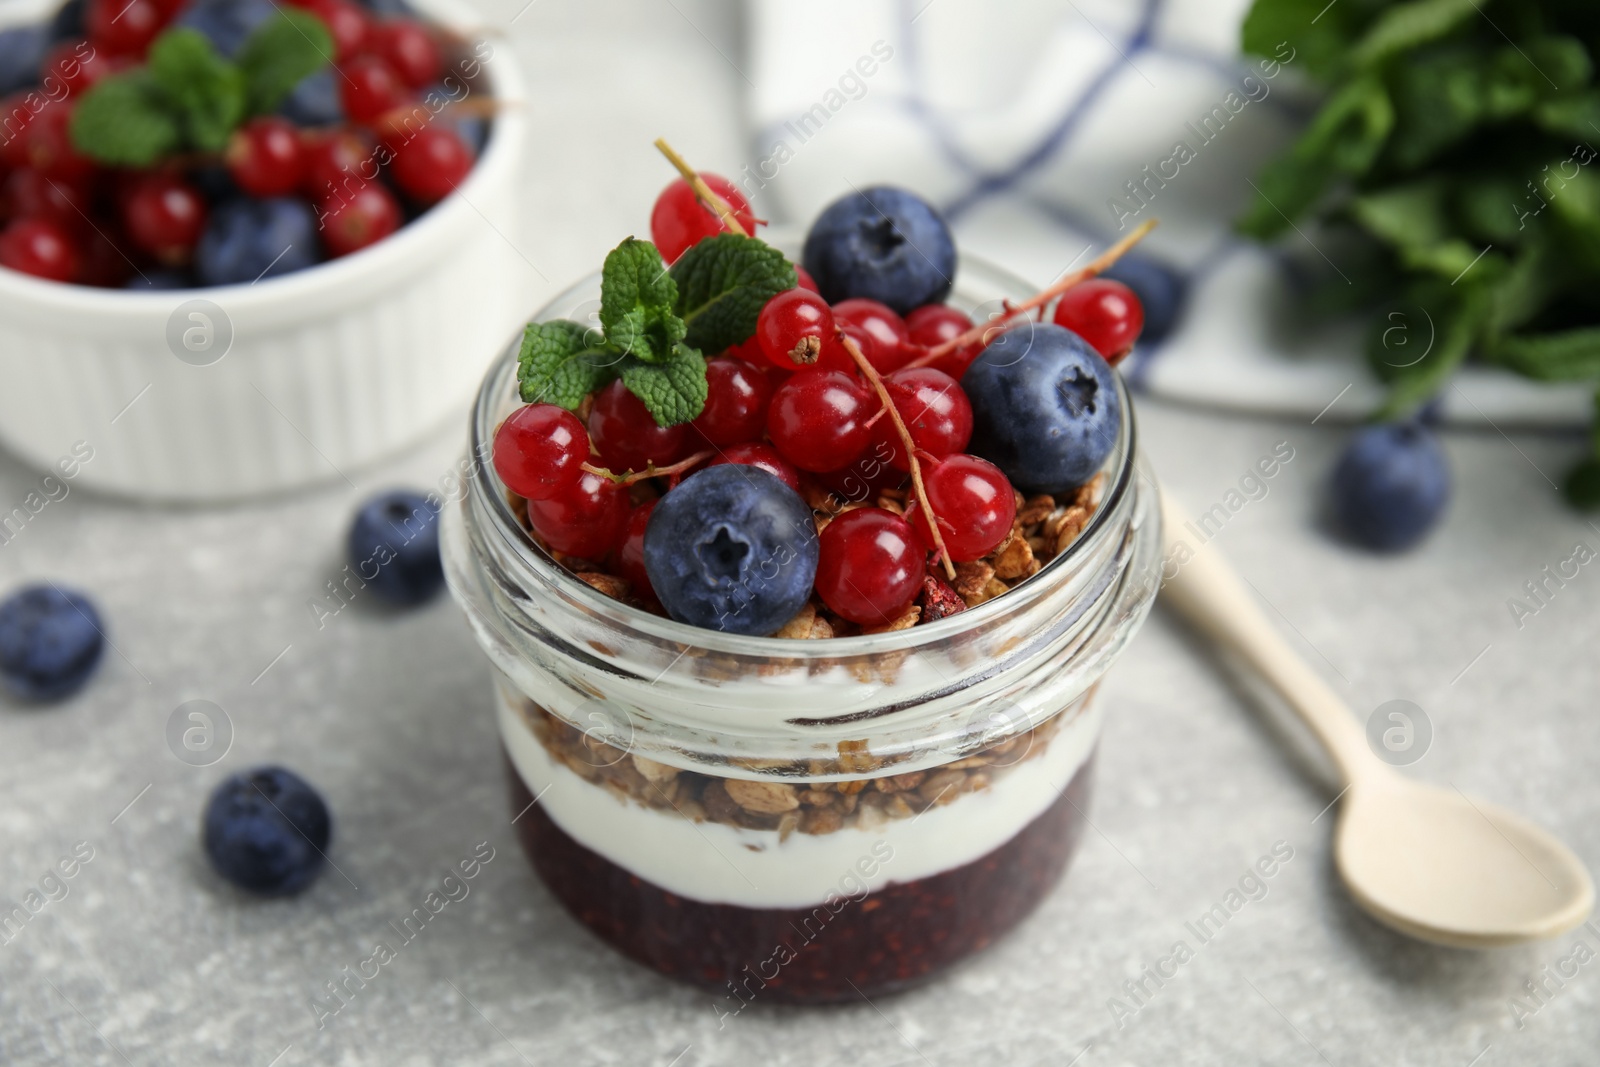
{"points": [[1429, 862]]}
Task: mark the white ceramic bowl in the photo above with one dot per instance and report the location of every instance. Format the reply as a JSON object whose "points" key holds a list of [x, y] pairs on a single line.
{"points": [[329, 368]]}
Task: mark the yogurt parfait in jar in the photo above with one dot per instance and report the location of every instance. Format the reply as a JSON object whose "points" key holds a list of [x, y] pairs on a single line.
{"points": [[798, 587]]}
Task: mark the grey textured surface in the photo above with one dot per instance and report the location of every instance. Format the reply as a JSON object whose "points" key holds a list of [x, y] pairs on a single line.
{"points": [[149, 959]]}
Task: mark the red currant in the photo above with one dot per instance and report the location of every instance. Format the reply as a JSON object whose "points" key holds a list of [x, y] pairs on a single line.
{"points": [[737, 395], [630, 557], [794, 327], [935, 324], [123, 27], [366, 216], [819, 419], [50, 147], [64, 201], [40, 248], [540, 450], [835, 356], [432, 163], [936, 412], [337, 163], [369, 87], [265, 157], [679, 221], [887, 330], [410, 49], [626, 435], [15, 117], [349, 26], [77, 64], [973, 502], [164, 216], [588, 519], [759, 455], [804, 280], [1104, 313], [869, 566]]}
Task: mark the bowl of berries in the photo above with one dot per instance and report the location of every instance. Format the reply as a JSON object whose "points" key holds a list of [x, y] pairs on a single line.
{"points": [[796, 646], [247, 246]]}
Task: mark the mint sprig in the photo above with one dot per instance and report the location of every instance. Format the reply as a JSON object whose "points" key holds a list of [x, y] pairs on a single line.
{"points": [[655, 324], [189, 97]]}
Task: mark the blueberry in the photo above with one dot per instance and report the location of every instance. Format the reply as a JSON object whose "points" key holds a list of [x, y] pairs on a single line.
{"points": [[50, 642], [1160, 287], [68, 21], [214, 182], [226, 23], [1045, 408], [160, 279], [267, 831], [21, 49], [245, 240], [394, 547], [314, 101], [732, 548], [883, 244], [1390, 486]]}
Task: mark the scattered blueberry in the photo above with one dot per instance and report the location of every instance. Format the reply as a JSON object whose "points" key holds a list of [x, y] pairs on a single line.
{"points": [[226, 22], [50, 642], [21, 49], [394, 547], [1391, 485], [267, 831], [884, 244], [1044, 407], [732, 548], [68, 21], [160, 279], [1160, 287], [314, 101], [245, 240]]}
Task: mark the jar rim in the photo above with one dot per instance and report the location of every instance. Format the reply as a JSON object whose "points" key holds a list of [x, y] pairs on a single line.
{"points": [[489, 493]]}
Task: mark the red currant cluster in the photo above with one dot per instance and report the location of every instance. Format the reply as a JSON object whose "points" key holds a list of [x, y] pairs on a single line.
{"points": [[69, 219]]}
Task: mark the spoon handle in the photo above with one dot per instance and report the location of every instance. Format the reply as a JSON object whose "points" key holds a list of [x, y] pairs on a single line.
{"points": [[1201, 586]]}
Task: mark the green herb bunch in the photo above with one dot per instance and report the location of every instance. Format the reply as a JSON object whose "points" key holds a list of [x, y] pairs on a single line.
{"points": [[187, 97], [1460, 144], [656, 324]]}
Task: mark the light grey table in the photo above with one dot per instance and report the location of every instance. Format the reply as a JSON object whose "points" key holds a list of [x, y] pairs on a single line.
{"points": [[148, 959]]}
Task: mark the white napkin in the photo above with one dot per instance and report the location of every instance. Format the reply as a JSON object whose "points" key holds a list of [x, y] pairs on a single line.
{"points": [[1026, 121]]}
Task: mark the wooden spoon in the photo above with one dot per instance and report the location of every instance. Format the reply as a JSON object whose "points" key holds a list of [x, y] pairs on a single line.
{"points": [[1429, 862]]}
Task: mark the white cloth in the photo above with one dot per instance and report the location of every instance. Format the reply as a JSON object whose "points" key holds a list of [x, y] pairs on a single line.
{"points": [[1023, 120]]}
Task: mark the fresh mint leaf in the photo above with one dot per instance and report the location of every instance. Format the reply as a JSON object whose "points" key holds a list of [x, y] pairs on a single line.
{"points": [[280, 54], [1408, 25], [1571, 355], [673, 390], [562, 362], [723, 283], [1456, 321], [637, 297], [1317, 43], [204, 90], [125, 121]]}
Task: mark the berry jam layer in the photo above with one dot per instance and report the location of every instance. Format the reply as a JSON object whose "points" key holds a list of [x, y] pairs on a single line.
{"points": [[855, 942]]}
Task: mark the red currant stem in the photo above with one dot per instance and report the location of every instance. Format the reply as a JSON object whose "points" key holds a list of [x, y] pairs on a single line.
{"points": [[906, 442], [981, 331], [719, 206], [652, 471]]}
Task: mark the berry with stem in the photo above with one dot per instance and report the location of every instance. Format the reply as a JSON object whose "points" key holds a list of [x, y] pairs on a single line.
{"points": [[793, 328], [820, 419], [627, 437], [935, 411], [680, 220], [1103, 312], [587, 519], [974, 503], [887, 330], [540, 450]]}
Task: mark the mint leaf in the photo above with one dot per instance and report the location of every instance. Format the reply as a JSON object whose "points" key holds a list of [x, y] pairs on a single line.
{"points": [[1283, 28], [723, 283], [204, 90], [124, 121], [561, 362], [1456, 322], [674, 390], [1571, 355], [637, 296], [280, 54], [1411, 24]]}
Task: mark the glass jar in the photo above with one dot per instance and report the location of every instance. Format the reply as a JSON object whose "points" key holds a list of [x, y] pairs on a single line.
{"points": [[798, 820]]}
